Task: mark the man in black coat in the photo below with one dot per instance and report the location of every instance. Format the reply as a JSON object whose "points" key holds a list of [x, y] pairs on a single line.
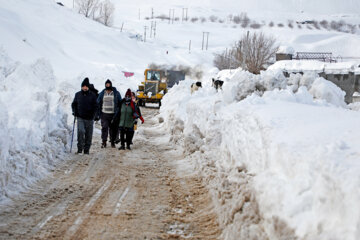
{"points": [[84, 109], [108, 102]]}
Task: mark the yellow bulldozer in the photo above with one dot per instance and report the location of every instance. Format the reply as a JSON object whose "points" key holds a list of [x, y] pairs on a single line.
{"points": [[153, 88]]}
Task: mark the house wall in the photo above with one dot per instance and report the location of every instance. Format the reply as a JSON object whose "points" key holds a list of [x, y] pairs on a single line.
{"points": [[344, 81]]}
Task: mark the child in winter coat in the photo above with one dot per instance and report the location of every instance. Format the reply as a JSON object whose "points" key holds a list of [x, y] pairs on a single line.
{"points": [[137, 108]]}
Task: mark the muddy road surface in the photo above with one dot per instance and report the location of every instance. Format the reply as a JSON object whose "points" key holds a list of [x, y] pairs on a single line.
{"points": [[116, 194]]}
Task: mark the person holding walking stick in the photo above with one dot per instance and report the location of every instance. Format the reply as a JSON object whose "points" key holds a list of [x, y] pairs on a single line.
{"points": [[84, 109], [72, 134]]}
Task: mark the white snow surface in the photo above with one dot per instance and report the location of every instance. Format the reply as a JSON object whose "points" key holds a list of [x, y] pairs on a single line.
{"points": [[315, 66], [295, 136], [296, 139], [33, 125]]}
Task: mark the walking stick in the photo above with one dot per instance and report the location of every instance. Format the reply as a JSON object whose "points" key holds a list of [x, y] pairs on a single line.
{"points": [[72, 136]]}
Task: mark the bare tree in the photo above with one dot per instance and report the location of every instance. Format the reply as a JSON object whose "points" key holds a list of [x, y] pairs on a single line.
{"points": [[255, 51], [245, 20], [252, 53], [194, 19], [255, 25], [213, 18], [290, 24], [87, 7], [221, 61], [324, 24], [107, 13], [102, 12]]}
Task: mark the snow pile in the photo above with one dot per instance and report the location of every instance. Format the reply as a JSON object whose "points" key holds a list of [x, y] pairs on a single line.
{"points": [[278, 154], [241, 84], [33, 126], [286, 50], [296, 66]]}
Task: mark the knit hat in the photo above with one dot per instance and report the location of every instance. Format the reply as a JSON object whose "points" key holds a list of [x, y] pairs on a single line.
{"points": [[108, 81], [128, 93], [85, 82]]}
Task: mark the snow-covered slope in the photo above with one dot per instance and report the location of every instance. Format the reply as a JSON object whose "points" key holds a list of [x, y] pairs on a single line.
{"points": [[306, 164]]}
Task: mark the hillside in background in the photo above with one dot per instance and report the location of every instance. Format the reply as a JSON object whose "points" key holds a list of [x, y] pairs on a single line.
{"points": [[276, 138]]}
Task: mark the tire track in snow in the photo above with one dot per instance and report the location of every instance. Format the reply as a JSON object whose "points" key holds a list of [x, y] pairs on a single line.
{"points": [[118, 204], [85, 212]]}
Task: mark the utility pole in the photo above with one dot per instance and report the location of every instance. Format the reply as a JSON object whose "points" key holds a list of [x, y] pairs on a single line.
{"points": [[190, 46], [154, 29], [202, 43], [151, 29], [152, 13], [145, 27], [173, 16], [73, 4], [169, 15], [207, 40], [184, 14], [139, 13]]}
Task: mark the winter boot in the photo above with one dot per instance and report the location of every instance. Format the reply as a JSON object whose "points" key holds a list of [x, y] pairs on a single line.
{"points": [[86, 152], [128, 147], [103, 145], [122, 147], [113, 144]]}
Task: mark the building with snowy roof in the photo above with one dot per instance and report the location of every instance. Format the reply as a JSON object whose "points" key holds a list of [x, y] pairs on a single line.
{"points": [[346, 75]]}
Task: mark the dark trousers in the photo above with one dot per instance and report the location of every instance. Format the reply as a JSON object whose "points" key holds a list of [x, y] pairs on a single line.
{"points": [[84, 134], [126, 134], [106, 127]]}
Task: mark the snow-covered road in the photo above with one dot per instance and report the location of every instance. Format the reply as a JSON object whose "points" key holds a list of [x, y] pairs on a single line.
{"points": [[114, 194]]}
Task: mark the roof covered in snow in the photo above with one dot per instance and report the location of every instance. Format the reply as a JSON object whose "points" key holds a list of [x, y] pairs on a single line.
{"points": [[316, 66], [285, 50]]}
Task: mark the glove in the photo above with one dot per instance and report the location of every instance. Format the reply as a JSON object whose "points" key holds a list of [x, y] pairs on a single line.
{"points": [[96, 118], [142, 120]]}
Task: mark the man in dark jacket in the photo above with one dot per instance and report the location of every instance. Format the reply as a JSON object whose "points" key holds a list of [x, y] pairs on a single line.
{"points": [[84, 108], [108, 102]]}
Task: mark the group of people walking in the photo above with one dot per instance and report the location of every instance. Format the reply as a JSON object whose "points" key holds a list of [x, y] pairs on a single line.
{"points": [[118, 115]]}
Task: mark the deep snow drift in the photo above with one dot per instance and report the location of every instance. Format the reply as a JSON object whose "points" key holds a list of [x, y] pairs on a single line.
{"points": [[290, 143], [294, 138], [33, 126]]}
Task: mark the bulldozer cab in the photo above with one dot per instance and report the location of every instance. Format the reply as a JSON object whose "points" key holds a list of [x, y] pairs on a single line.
{"points": [[152, 75]]}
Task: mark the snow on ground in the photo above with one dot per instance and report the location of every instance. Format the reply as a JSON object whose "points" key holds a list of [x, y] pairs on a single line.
{"points": [[297, 66], [297, 144], [33, 124], [296, 141]]}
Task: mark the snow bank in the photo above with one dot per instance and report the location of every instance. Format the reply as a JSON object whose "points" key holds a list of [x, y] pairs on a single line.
{"points": [[284, 143], [33, 129], [286, 50], [295, 66]]}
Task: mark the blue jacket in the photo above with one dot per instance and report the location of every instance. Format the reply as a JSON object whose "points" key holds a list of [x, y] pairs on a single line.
{"points": [[117, 100]]}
